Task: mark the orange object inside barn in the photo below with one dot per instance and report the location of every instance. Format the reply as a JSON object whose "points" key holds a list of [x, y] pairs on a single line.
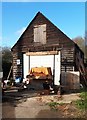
{"points": [[38, 72]]}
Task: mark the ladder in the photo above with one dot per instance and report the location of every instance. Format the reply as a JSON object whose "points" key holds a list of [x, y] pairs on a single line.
{"points": [[81, 68], [9, 72]]}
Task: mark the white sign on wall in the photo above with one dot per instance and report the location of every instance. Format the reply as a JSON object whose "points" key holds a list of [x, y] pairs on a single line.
{"points": [[18, 61]]}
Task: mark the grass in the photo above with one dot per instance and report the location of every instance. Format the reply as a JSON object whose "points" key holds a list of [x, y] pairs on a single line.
{"points": [[82, 103], [54, 105]]}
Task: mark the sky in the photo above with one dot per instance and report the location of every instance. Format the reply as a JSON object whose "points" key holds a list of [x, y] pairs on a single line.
{"points": [[43, 0], [69, 17]]}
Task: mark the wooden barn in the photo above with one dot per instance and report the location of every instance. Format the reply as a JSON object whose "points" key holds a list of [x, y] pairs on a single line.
{"points": [[42, 44]]}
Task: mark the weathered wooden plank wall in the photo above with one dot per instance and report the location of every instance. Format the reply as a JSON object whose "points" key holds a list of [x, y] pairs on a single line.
{"points": [[55, 39]]}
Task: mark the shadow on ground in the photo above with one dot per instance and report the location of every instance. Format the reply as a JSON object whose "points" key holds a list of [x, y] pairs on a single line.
{"points": [[10, 100]]}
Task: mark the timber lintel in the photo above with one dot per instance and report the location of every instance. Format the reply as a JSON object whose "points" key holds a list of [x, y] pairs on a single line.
{"points": [[42, 53]]}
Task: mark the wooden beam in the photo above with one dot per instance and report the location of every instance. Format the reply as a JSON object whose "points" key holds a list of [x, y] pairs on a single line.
{"points": [[42, 53]]}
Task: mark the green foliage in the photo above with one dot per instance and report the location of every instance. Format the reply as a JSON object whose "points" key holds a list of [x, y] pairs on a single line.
{"points": [[86, 52], [82, 104], [53, 105], [6, 61], [6, 68], [61, 103], [6, 55], [83, 95], [81, 42]]}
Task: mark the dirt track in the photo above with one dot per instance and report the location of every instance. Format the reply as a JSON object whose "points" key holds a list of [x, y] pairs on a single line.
{"points": [[30, 105]]}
